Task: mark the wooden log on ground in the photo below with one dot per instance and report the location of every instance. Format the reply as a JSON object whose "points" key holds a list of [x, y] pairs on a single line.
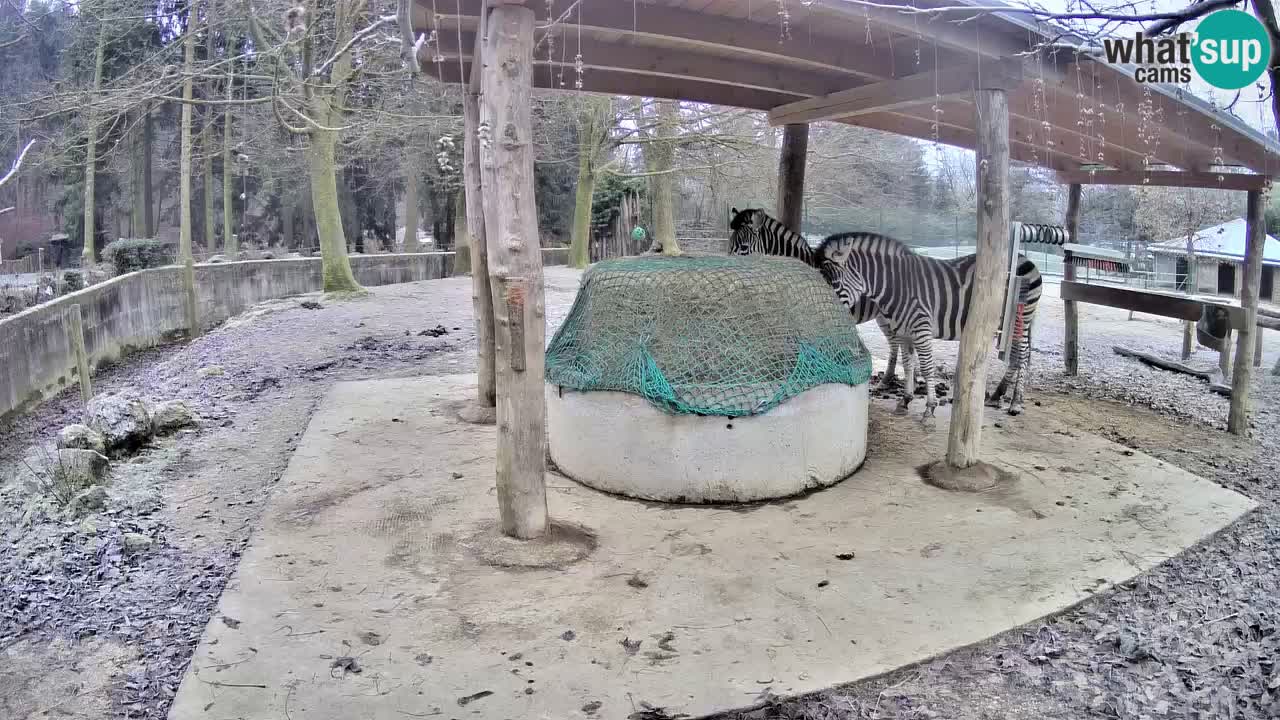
{"points": [[1159, 362], [1256, 237], [1221, 389], [791, 166], [1071, 349], [964, 436], [515, 269]]}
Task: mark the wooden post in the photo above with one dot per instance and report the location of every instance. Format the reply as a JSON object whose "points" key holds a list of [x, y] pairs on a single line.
{"points": [[992, 155], [1071, 348], [481, 295], [1250, 334], [1224, 357], [791, 165], [189, 302], [1257, 349], [75, 338], [515, 268]]}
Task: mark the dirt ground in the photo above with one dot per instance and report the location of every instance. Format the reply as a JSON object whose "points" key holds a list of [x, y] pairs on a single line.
{"points": [[91, 628]]}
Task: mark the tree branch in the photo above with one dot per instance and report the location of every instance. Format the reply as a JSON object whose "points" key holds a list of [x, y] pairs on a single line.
{"points": [[409, 48], [352, 42], [1267, 13], [17, 164], [1191, 12]]}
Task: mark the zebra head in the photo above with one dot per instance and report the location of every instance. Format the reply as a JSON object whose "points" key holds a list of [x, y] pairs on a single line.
{"points": [[841, 274], [745, 228]]}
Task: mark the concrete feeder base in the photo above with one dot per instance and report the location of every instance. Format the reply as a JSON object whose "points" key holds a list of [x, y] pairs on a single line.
{"points": [[620, 443]]}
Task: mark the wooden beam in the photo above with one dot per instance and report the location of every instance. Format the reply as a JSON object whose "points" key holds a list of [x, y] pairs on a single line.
{"points": [[1238, 414], [952, 132], [954, 31], [1167, 178], [612, 82], [902, 92], [1178, 307], [626, 55], [515, 269], [1192, 131], [481, 293], [675, 26], [791, 166], [964, 437], [1159, 362], [1071, 345]]}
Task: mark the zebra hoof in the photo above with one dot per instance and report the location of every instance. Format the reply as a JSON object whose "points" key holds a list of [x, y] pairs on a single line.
{"points": [[1015, 409]]}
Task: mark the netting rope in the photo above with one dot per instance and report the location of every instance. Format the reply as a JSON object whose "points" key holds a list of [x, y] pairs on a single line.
{"points": [[705, 334]]}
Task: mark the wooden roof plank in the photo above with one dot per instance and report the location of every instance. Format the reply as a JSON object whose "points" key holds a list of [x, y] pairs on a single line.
{"points": [[597, 55], [616, 82], [898, 93], [702, 29], [1167, 178]]}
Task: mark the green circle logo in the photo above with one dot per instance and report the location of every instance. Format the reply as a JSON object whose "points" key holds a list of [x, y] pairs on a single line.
{"points": [[1232, 49]]}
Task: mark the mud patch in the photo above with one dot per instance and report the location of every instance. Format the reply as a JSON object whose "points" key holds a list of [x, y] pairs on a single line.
{"points": [[563, 545]]}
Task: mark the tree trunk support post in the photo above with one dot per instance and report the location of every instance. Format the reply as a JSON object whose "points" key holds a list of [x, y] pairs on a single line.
{"points": [[515, 267], [1071, 348], [992, 155], [1250, 335], [791, 166], [481, 294], [75, 336]]}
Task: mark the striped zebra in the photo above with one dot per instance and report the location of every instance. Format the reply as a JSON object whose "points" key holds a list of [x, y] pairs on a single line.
{"points": [[926, 298], [755, 231]]}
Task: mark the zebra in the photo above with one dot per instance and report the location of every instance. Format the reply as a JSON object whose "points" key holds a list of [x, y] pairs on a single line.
{"points": [[926, 298], [755, 231]]}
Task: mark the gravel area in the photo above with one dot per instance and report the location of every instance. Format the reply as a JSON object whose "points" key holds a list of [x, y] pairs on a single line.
{"points": [[94, 626], [1198, 637]]}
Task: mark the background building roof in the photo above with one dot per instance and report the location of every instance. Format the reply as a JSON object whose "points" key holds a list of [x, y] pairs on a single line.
{"points": [[1225, 241]]}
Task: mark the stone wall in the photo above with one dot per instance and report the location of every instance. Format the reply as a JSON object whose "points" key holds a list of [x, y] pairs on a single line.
{"points": [[144, 309]]}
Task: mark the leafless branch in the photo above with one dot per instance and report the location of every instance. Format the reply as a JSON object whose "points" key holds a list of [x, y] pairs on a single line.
{"points": [[409, 48], [17, 164], [371, 29], [1191, 12]]}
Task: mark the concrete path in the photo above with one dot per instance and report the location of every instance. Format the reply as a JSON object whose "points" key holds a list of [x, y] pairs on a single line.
{"points": [[378, 588]]}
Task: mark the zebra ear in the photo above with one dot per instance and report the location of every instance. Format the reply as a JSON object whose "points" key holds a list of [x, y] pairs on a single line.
{"points": [[733, 211]]}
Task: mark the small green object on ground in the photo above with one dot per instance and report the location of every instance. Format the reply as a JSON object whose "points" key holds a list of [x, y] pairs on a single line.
{"points": [[706, 335]]}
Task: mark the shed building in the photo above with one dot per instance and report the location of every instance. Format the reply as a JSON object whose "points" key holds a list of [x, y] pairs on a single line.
{"points": [[1219, 255]]}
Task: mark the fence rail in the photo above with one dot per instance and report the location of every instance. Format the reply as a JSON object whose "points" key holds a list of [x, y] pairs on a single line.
{"points": [[21, 266]]}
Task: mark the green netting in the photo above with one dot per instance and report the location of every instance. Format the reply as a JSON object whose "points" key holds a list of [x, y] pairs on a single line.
{"points": [[706, 335]]}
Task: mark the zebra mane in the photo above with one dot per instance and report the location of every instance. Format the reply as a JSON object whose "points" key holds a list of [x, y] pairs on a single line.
{"points": [[865, 242]]}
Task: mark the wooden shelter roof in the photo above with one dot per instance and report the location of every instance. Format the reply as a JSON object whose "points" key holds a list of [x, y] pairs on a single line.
{"points": [[877, 67]]}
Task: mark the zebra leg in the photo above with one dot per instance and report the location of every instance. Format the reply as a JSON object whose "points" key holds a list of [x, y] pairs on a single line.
{"points": [[908, 379], [922, 339], [1014, 361], [1020, 379], [995, 396], [891, 367]]}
